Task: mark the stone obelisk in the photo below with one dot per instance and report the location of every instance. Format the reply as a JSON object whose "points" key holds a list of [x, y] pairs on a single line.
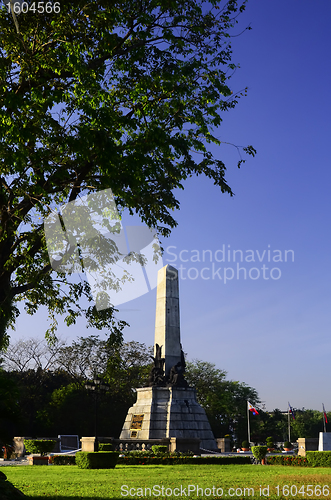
{"points": [[167, 320], [168, 410]]}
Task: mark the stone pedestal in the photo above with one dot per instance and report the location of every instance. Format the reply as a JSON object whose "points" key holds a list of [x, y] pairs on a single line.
{"points": [[307, 444], [19, 448], [89, 444], [223, 445], [324, 443], [168, 412]]}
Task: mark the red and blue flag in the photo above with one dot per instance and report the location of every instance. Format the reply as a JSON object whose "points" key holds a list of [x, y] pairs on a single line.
{"points": [[252, 409], [291, 411], [325, 417]]}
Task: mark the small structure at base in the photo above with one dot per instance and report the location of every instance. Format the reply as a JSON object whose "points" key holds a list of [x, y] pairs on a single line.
{"points": [[224, 445], [307, 444]]}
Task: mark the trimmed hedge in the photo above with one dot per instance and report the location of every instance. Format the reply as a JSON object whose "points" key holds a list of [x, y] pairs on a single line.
{"points": [[139, 453], [319, 458], [287, 460], [42, 446], [148, 460], [159, 448], [97, 459], [259, 452], [105, 447], [63, 460], [133, 459]]}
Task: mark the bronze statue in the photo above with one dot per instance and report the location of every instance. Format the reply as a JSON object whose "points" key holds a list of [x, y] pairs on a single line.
{"points": [[156, 376], [176, 374]]}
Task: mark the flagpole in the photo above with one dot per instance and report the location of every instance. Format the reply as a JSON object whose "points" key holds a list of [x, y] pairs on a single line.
{"points": [[324, 418], [249, 431], [289, 423]]}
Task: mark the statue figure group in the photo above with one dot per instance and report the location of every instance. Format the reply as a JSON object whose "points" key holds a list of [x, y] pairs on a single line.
{"points": [[176, 374], [156, 376]]}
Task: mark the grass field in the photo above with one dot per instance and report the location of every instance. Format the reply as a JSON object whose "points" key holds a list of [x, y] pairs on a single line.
{"points": [[214, 481]]}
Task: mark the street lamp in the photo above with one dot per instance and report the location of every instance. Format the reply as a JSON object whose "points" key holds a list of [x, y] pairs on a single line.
{"points": [[97, 387]]}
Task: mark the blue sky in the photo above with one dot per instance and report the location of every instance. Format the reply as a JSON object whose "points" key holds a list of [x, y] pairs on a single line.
{"points": [[272, 334]]}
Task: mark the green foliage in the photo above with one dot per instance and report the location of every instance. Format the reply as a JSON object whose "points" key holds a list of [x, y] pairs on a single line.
{"points": [[269, 424], [97, 459], [47, 402], [259, 452], [9, 407], [245, 444], [63, 460], [42, 446], [139, 453], [105, 447], [51, 402], [119, 95], [270, 442], [182, 460], [307, 423], [287, 444], [224, 401], [157, 449], [296, 461], [319, 458]]}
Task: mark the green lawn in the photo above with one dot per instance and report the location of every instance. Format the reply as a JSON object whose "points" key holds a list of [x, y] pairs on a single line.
{"points": [[232, 481]]}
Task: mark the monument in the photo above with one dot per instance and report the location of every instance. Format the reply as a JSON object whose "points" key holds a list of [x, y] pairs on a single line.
{"points": [[324, 442], [168, 408]]}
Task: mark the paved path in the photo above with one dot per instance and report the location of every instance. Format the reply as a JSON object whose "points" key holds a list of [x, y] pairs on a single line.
{"points": [[21, 461]]}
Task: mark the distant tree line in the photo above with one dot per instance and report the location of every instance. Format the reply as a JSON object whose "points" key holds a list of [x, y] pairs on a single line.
{"points": [[42, 392], [42, 387]]}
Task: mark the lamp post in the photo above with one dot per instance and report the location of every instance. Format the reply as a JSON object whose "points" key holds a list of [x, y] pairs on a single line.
{"points": [[97, 387]]}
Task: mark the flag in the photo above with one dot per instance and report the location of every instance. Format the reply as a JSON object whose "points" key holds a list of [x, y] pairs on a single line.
{"points": [[325, 417], [252, 409], [291, 411]]}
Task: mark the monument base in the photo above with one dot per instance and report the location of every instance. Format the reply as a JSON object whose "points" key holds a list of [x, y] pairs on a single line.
{"points": [[168, 412], [324, 443]]}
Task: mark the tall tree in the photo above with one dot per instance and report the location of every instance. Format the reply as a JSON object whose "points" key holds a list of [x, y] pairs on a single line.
{"points": [[307, 423], [9, 407], [101, 95], [224, 401], [31, 353]]}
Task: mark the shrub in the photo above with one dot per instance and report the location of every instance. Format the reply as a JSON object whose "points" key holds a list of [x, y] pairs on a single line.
{"points": [[63, 460], [259, 452], [287, 444], [288, 460], [182, 459], [105, 447], [97, 459], [270, 442], [158, 448], [245, 444], [140, 453], [41, 446], [319, 458]]}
